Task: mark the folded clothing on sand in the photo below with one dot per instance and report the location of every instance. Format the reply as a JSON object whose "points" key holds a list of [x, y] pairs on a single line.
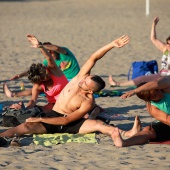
{"points": [[109, 93], [57, 138]]}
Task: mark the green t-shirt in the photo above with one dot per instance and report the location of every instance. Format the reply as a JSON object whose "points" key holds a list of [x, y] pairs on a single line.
{"points": [[163, 104], [72, 68]]}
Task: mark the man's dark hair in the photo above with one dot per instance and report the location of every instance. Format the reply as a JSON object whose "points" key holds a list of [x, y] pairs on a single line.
{"points": [[167, 39], [35, 72], [46, 43], [143, 95], [99, 81]]}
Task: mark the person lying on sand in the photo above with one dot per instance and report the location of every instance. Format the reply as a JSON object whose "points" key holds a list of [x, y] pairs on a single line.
{"points": [[165, 63], [74, 101], [156, 94]]}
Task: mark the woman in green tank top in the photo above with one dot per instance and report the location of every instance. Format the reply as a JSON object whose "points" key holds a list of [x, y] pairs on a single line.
{"points": [[156, 94]]}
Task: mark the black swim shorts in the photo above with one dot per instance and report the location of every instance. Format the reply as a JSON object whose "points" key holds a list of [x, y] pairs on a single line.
{"points": [[162, 131], [72, 127]]}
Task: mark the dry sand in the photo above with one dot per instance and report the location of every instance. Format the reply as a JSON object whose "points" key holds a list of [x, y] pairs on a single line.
{"points": [[83, 26]]}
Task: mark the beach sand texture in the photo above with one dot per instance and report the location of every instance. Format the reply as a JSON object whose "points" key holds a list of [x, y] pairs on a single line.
{"points": [[83, 27]]}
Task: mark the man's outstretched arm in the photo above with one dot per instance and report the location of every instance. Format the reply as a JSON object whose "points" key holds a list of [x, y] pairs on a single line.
{"points": [[120, 42]]}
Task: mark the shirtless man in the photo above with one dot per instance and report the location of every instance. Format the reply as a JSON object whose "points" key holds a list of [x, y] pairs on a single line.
{"points": [[74, 101]]}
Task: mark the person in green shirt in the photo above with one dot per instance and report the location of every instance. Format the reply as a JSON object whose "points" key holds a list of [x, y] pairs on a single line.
{"points": [[156, 94], [64, 58]]}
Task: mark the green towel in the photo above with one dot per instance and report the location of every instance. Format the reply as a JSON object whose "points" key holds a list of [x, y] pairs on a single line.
{"points": [[54, 139]]}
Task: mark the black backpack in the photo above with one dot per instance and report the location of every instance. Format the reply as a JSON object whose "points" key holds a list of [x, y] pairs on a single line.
{"points": [[12, 117]]}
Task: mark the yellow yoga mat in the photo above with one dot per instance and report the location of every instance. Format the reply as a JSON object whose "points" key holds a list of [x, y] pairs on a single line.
{"points": [[57, 138]]}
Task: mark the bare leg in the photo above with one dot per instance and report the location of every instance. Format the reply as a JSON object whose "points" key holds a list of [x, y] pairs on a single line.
{"points": [[7, 91], [138, 139], [24, 128], [26, 92], [113, 82], [10, 94], [97, 125]]}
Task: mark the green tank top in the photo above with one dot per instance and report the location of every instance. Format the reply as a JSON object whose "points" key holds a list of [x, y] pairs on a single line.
{"points": [[163, 104]]}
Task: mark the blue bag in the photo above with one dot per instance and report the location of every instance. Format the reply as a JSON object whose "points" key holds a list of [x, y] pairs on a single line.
{"points": [[140, 68]]}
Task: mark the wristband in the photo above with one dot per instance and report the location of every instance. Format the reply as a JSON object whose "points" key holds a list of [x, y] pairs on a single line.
{"points": [[40, 45]]}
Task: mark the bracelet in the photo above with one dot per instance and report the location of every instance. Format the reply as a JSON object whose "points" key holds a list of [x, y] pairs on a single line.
{"points": [[40, 45]]}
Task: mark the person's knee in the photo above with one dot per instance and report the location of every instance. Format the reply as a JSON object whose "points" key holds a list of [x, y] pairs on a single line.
{"points": [[99, 124], [148, 130], [29, 125]]}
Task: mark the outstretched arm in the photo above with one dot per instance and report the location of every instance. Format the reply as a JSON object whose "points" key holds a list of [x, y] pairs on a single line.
{"points": [[76, 115], [19, 75], [159, 44], [51, 63], [36, 44], [120, 42], [56, 48], [35, 93], [162, 83]]}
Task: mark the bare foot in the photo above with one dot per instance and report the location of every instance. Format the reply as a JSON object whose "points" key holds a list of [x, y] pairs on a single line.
{"points": [[116, 137], [7, 91], [136, 127], [112, 82]]}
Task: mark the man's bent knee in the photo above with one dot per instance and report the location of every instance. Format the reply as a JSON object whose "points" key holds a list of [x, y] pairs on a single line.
{"points": [[29, 125]]}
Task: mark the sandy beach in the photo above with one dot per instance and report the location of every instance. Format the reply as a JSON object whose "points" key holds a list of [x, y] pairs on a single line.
{"points": [[83, 27]]}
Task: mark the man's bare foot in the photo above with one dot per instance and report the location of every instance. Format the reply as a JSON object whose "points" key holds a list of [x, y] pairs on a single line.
{"points": [[116, 137], [136, 127], [7, 91], [112, 82]]}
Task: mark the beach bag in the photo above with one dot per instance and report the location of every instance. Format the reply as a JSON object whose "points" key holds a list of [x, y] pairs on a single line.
{"points": [[13, 118], [140, 68]]}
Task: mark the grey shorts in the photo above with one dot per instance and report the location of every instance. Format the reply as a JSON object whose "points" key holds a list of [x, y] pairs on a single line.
{"points": [[72, 127]]}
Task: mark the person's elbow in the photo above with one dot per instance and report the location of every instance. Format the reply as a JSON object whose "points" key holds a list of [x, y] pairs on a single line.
{"points": [[153, 39]]}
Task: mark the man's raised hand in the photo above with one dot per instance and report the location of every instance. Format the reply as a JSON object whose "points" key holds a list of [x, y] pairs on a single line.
{"points": [[120, 42]]}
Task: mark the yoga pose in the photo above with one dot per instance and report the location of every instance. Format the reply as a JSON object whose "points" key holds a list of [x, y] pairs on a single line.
{"points": [[165, 63], [64, 59], [156, 94], [74, 101], [49, 80]]}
